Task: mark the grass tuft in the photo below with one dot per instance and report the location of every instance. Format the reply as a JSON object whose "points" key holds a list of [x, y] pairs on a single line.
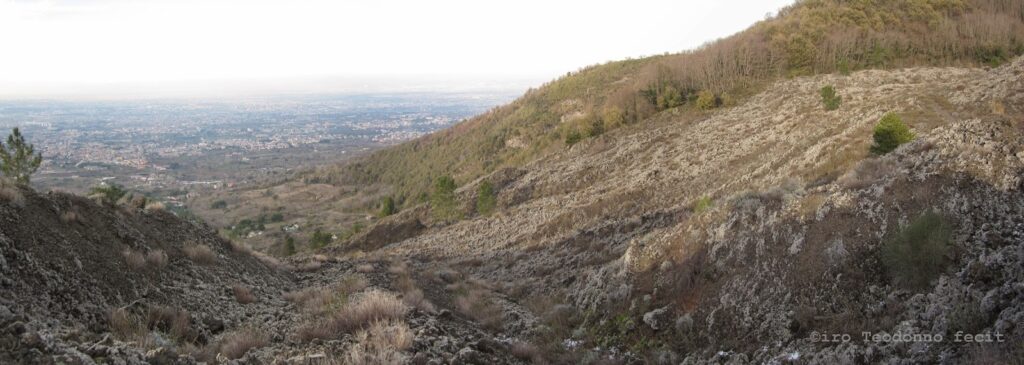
{"points": [[200, 254]]}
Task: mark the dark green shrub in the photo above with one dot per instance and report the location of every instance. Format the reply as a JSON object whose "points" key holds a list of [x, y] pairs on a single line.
{"points": [[830, 98], [843, 67], [289, 246], [442, 201], [573, 137], [669, 98], [220, 204], [890, 132], [320, 239], [485, 198], [248, 225], [706, 100], [277, 218], [702, 204], [918, 253], [110, 192], [351, 231], [387, 207], [595, 126], [993, 56]]}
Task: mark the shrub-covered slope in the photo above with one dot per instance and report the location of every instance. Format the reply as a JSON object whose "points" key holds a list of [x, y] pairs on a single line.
{"points": [[810, 37]]}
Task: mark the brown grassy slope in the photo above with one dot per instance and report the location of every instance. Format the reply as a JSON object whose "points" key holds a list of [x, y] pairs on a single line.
{"points": [[807, 38], [629, 186], [811, 37]]}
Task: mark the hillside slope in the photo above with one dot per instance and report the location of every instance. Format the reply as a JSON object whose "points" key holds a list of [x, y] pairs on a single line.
{"points": [[808, 38], [791, 243], [68, 261], [90, 282]]}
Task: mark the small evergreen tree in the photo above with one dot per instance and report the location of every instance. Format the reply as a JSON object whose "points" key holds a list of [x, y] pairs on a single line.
{"points": [[613, 117], [442, 201], [18, 159], [830, 98], [890, 132], [289, 246], [573, 137], [387, 207], [320, 239], [595, 126], [843, 67], [706, 100], [485, 199], [669, 98], [110, 192]]}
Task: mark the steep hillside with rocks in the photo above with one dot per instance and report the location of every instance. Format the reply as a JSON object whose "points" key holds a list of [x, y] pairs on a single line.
{"points": [[739, 235], [759, 233], [86, 281], [809, 37]]}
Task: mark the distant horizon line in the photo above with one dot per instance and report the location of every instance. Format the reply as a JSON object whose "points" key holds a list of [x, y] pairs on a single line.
{"points": [[233, 88]]}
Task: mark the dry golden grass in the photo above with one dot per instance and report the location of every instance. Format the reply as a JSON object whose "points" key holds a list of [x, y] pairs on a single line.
{"points": [[243, 294], [157, 259], [270, 261], [394, 334], [200, 254], [398, 268], [365, 268], [127, 326], [527, 352], [135, 259], [174, 322], [866, 173], [240, 247], [369, 307], [70, 217], [383, 342], [809, 205], [155, 206], [234, 345], [411, 293], [10, 194], [997, 107], [131, 327], [405, 283], [478, 305], [415, 298], [320, 300], [309, 266]]}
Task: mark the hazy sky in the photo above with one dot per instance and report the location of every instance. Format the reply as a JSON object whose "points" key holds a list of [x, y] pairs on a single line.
{"points": [[73, 47]]}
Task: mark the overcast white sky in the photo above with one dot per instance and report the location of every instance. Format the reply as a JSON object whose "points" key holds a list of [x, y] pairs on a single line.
{"points": [[120, 47]]}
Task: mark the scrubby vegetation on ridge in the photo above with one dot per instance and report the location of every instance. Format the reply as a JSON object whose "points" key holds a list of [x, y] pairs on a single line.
{"points": [[812, 36]]}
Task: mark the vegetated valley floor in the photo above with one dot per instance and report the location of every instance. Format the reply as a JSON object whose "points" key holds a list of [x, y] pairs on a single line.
{"points": [[595, 254]]}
